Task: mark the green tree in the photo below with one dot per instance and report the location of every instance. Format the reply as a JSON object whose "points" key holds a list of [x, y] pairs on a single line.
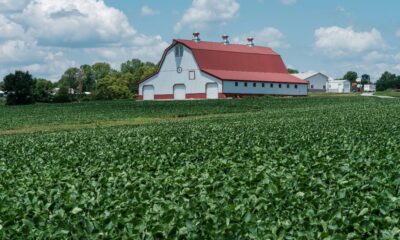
{"points": [[388, 81], [101, 70], [63, 95], [43, 89], [292, 71], [138, 71], [89, 81], [131, 66], [351, 76], [19, 87], [365, 79], [70, 78], [112, 87], [2, 86], [148, 69]]}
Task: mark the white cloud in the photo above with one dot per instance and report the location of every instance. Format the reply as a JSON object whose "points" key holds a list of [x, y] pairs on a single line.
{"points": [[397, 57], [376, 56], [336, 41], [288, 2], [12, 5], [10, 29], [205, 12], [143, 47], [45, 35], [148, 11], [75, 22], [268, 36]]}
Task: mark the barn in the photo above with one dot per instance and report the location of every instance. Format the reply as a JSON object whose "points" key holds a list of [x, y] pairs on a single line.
{"points": [[195, 69]]}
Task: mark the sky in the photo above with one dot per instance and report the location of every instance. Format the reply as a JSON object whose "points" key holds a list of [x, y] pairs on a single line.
{"points": [[45, 37]]}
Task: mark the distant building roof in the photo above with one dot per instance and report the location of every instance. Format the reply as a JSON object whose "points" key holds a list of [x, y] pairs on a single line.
{"points": [[307, 75]]}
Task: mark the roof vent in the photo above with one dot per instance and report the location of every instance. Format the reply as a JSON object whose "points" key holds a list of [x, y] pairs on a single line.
{"points": [[196, 36], [250, 41], [225, 39]]}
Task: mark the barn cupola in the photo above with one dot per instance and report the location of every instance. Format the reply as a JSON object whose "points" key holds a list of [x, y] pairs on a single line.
{"points": [[250, 42], [225, 39], [196, 37]]}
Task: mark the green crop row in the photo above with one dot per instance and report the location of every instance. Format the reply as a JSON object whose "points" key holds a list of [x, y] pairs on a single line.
{"points": [[298, 169], [19, 117]]}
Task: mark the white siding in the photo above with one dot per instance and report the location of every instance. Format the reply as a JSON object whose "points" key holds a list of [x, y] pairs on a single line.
{"points": [[168, 76], [318, 82], [230, 87], [339, 86], [369, 88]]}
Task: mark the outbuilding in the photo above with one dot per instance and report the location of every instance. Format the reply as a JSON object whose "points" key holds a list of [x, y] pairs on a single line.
{"points": [[339, 86], [317, 82], [369, 88], [195, 69]]}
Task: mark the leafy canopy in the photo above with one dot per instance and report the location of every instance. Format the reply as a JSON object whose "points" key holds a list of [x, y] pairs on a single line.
{"points": [[20, 88]]}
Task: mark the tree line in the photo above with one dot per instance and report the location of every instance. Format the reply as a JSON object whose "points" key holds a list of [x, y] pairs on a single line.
{"points": [[88, 82]]}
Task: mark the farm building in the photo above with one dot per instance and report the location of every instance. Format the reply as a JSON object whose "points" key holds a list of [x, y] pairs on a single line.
{"points": [[195, 69], [2, 94], [339, 86], [317, 81], [369, 88]]}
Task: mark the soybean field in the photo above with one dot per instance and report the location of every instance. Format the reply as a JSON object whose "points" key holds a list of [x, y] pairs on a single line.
{"points": [[266, 168]]}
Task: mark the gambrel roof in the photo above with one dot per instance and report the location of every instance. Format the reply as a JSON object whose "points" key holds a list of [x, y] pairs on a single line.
{"points": [[237, 62]]}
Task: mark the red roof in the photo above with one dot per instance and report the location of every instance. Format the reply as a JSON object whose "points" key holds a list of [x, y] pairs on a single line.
{"points": [[238, 62]]}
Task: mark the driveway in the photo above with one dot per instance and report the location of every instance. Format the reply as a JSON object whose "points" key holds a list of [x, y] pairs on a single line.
{"points": [[373, 95]]}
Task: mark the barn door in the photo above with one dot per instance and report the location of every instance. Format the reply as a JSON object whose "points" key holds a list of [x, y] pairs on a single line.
{"points": [[180, 92], [212, 91], [148, 92]]}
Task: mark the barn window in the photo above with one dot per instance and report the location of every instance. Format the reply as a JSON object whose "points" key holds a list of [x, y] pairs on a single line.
{"points": [[254, 84], [288, 86], [295, 86], [192, 75], [245, 84], [263, 84], [179, 51], [312, 86], [272, 85], [236, 84], [280, 85]]}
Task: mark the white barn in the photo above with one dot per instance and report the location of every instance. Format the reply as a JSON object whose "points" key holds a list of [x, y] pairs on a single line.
{"points": [[194, 69], [339, 86], [317, 82]]}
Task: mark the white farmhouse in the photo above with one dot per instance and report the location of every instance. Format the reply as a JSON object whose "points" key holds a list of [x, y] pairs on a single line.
{"points": [[194, 69], [317, 81], [339, 86]]}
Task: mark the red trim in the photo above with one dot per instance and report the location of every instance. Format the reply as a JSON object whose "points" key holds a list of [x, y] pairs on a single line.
{"points": [[238, 96], [164, 97], [196, 96], [222, 96]]}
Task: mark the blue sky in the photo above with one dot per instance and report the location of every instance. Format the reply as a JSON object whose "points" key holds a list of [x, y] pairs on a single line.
{"points": [[47, 36]]}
